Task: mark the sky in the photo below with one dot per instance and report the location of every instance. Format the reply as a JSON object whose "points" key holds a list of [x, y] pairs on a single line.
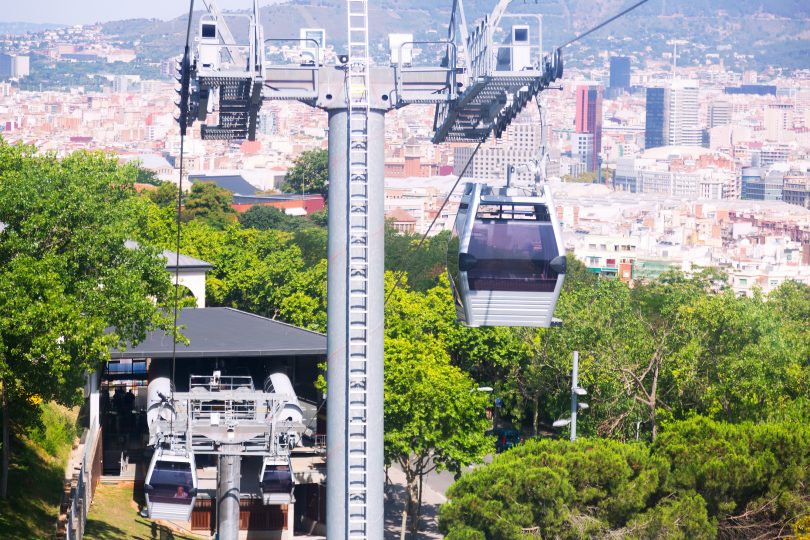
{"points": [[91, 11]]}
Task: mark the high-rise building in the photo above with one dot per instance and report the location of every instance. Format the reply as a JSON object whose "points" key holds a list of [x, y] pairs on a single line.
{"points": [[6, 66], [778, 120], [619, 72], [684, 128], [589, 121], [520, 143], [22, 66], [719, 114], [14, 66], [656, 130]]}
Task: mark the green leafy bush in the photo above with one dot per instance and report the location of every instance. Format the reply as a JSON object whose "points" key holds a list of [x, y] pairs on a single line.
{"points": [[55, 430]]}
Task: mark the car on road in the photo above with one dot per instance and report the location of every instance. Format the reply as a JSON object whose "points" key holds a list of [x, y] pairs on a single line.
{"points": [[506, 438]]}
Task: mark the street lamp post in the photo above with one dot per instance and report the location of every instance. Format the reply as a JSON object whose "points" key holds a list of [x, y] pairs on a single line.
{"points": [[576, 392]]}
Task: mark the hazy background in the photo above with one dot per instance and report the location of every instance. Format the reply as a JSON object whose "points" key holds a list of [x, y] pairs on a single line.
{"points": [[91, 11]]}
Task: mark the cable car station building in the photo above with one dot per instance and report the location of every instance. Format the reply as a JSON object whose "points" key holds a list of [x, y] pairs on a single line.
{"points": [[224, 345]]}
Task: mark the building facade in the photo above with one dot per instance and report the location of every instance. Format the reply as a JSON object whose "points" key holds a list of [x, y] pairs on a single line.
{"points": [[684, 128], [619, 72], [796, 189], [758, 185], [656, 129], [589, 121], [519, 144]]}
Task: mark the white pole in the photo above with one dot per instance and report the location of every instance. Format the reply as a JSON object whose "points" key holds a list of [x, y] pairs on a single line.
{"points": [[574, 385]]}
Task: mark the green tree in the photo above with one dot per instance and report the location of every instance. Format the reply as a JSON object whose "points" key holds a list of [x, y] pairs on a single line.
{"points": [[433, 418], [208, 202], [145, 176], [423, 265], [753, 477], [312, 242], [566, 490], [320, 217], [265, 217], [681, 517], [66, 275], [165, 195], [309, 173], [699, 479]]}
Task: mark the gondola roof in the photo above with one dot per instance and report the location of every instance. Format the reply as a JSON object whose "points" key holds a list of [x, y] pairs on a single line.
{"points": [[221, 332]]}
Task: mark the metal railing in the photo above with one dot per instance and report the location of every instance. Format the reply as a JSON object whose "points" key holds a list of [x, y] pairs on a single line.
{"points": [[214, 383], [484, 52], [293, 80], [82, 487], [438, 84]]}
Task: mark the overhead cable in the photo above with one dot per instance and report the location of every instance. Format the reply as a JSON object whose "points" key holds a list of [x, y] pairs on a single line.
{"points": [[439, 213], [184, 81], [604, 23]]}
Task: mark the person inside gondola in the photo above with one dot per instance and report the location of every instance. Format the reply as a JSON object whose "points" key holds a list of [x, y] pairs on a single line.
{"points": [[181, 493]]}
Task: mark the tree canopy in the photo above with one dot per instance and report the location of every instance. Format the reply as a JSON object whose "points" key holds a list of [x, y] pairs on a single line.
{"points": [[309, 173], [265, 217], [208, 202], [700, 479], [66, 273]]}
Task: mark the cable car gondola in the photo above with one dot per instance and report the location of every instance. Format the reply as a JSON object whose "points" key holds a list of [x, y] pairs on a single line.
{"points": [[171, 484], [276, 480], [506, 258]]}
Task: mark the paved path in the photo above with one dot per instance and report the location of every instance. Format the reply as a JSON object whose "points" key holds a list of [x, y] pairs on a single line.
{"points": [[434, 488], [395, 504]]}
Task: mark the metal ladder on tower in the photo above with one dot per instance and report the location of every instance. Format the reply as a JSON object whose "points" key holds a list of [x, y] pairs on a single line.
{"points": [[358, 272]]}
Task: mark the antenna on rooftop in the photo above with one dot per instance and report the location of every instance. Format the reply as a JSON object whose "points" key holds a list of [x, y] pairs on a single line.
{"points": [[675, 43]]}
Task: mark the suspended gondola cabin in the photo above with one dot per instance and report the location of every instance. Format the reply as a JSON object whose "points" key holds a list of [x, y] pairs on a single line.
{"points": [[506, 258], [276, 480], [171, 484]]}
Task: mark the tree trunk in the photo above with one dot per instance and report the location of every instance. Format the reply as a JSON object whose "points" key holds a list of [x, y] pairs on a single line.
{"points": [[418, 513], [413, 503], [6, 445], [536, 418], [404, 523]]}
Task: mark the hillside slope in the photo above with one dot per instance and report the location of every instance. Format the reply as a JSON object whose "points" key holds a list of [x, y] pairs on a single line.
{"points": [[773, 33]]}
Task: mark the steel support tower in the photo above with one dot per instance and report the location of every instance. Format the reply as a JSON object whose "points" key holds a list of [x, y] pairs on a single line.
{"points": [[474, 99]]}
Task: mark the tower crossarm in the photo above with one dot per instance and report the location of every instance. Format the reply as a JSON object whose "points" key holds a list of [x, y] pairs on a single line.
{"points": [[502, 78]]}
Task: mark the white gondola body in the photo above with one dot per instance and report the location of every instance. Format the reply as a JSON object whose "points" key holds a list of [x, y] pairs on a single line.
{"points": [[506, 259], [276, 480], [168, 471]]}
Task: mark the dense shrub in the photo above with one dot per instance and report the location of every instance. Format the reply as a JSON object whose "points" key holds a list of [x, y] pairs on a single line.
{"points": [[700, 479], [578, 490]]}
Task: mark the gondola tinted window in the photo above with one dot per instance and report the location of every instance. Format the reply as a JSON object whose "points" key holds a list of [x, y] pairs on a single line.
{"points": [[277, 479], [512, 254], [167, 475]]}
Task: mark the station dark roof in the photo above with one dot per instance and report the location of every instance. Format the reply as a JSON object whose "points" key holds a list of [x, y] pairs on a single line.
{"points": [[226, 332], [232, 182]]}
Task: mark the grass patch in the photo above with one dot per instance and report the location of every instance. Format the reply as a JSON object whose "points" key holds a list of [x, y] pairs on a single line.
{"points": [[35, 477], [57, 431], [114, 515]]}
